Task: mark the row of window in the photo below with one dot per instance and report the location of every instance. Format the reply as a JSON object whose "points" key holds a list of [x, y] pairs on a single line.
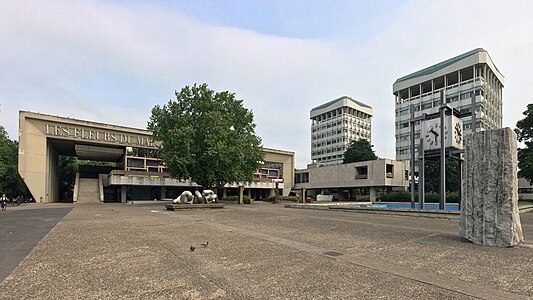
{"points": [[328, 150], [346, 111], [345, 124], [335, 133], [329, 158]]}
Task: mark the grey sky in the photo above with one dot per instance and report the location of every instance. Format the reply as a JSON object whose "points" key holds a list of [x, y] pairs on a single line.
{"points": [[112, 61]]}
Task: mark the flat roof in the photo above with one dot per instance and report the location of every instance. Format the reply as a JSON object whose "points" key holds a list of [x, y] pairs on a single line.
{"points": [[338, 99], [434, 68]]}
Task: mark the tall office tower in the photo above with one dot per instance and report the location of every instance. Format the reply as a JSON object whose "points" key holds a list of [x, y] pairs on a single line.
{"points": [[334, 125], [471, 75]]}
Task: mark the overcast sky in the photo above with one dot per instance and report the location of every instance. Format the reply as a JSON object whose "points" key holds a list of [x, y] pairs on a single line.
{"points": [[112, 61]]}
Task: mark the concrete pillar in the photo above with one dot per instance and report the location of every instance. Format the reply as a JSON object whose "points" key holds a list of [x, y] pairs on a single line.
{"points": [[276, 193], [241, 196], [163, 193], [303, 195], [373, 197], [123, 193]]}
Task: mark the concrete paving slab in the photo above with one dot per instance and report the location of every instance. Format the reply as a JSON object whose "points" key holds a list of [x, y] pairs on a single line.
{"points": [[263, 251], [21, 228]]}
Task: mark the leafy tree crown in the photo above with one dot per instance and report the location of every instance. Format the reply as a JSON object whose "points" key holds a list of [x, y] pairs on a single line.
{"points": [[207, 136], [524, 132], [359, 150]]}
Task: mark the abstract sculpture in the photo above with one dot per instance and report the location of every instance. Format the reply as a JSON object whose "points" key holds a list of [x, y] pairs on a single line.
{"points": [[185, 197], [207, 196]]}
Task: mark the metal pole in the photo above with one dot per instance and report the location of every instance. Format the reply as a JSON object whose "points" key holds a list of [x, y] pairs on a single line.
{"points": [[442, 198], [421, 179], [412, 163], [460, 192]]}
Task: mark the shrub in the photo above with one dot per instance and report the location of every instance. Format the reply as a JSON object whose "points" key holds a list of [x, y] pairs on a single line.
{"points": [[236, 198], [396, 197], [285, 198]]}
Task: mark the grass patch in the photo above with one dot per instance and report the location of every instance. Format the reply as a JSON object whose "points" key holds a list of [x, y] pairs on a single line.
{"points": [[525, 202]]}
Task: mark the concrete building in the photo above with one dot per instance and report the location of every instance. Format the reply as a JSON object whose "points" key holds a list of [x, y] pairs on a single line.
{"points": [[471, 76], [525, 189], [334, 125], [364, 180], [44, 138]]}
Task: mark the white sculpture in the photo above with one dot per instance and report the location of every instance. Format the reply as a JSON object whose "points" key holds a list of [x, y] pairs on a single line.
{"points": [[207, 196], [199, 197], [185, 197], [210, 196]]}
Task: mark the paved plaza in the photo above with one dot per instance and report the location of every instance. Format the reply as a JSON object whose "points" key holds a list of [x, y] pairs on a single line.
{"points": [[260, 251]]}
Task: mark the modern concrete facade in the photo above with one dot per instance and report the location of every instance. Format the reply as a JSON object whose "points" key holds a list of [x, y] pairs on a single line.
{"points": [[346, 181], [464, 78], [334, 125], [525, 189], [43, 138]]}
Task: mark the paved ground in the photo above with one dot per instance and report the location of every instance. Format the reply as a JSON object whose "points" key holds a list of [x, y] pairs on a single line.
{"points": [[21, 229], [263, 251]]}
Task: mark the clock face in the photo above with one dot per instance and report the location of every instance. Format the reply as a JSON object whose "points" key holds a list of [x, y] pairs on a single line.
{"points": [[433, 134], [458, 133]]}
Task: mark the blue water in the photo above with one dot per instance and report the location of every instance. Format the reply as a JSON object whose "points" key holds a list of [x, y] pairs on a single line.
{"points": [[427, 206]]}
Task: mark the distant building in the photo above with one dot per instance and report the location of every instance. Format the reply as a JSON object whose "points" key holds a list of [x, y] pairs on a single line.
{"points": [[365, 180], [525, 189], [334, 125], [471, 75]]}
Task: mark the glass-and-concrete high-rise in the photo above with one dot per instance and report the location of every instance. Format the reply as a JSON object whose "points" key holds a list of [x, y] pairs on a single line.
{"points": [[334, 125], [471, 75]]}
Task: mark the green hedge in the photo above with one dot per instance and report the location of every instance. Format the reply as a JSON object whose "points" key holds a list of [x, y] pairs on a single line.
{"points": [[285, 198], [406, 197], [236, 198]]}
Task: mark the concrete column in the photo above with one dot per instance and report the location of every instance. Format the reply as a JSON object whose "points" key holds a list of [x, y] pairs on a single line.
{"points": [[241, 196], [303, 195], [123, 193], [485, 75], [473, 107], [163, 193], [373, 194], [276, 193]]}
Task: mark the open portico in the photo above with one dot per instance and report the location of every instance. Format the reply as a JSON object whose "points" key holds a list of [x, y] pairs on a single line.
{"points": [[42, 138]]}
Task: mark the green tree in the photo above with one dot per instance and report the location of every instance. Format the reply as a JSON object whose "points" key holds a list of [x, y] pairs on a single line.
{"points": [[11, 183], [524, 132], [207, 136], [359, 150], [432, 175], [68, 166]]}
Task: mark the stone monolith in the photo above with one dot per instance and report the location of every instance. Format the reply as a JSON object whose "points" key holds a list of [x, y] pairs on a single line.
{"points": [[489, 200]]}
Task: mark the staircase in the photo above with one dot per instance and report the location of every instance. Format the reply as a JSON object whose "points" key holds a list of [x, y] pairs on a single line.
{"points": [[88, 191]]}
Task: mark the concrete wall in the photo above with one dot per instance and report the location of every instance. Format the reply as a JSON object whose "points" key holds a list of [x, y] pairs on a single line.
{"points": [[287, 159], [344, 175]]}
